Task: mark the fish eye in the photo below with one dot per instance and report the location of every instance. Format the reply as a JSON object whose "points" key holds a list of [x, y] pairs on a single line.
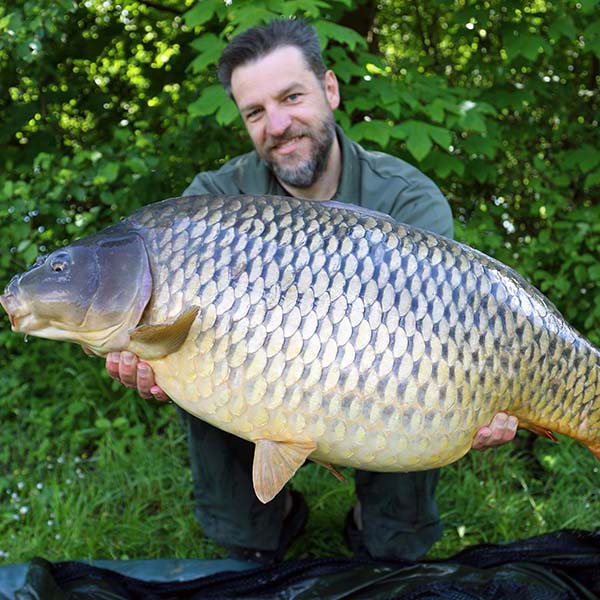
{"points": [[60, 262]]}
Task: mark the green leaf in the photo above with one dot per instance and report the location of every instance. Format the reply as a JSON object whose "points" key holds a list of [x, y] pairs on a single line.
{"points": [[472, 121], [210, 48], [343, 120], [137, 165], [342, 65], [435, 110], [303, 7], [409, 99], [441, 136], [102, 423], [4, 22], [332, 31], [444, 164], [418, 141], [480, 144], [23, 245], [209, 101], [523, 44], [30, 254], [588, 6], [120, 422], [585, 158], [363, 103], [592, 179], [249, 16], [591, 35], [201, 13], [7, 190], [109, 171], [377, 131], [483, 171], [227, 112], [563, 27]]}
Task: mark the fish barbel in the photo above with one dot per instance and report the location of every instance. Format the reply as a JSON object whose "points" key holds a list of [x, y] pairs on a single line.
{"points": [[318, 330]]}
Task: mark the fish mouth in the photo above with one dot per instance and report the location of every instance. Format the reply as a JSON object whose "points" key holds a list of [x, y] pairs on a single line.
{"points": [[15, 307], [8, 304]]}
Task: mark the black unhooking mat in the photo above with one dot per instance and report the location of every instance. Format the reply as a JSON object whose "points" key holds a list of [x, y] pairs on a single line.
{"points": [[561, 565]]}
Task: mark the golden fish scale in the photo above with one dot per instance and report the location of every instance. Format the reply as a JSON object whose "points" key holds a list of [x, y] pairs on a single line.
{"points": [[387, 346]]}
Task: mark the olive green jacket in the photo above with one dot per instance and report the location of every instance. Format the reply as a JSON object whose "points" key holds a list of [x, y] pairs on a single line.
{"points": [[374, 180]]}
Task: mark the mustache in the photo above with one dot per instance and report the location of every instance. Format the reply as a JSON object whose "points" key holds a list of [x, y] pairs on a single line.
{"points": [[274, 141]]}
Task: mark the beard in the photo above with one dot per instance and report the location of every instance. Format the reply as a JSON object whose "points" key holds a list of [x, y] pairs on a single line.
{"points": [[305, 173]]}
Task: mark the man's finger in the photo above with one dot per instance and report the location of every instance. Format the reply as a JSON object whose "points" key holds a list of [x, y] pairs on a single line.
{"points": [[128, 369], [501, 430], [145, 380], [158, 394], [112, 364], [512, 426]]}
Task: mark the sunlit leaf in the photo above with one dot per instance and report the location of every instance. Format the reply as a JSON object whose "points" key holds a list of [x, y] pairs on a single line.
{"points": [[209, 101], [441, 136], [250, 15], [109, 171], [210, 48], [308, 7], [328, 30], [227, 113], [417, 138], [375, 131], [201, 13]]}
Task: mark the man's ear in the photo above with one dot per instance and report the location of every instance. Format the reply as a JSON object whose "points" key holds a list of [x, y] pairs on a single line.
{"points": [[332, 89]]}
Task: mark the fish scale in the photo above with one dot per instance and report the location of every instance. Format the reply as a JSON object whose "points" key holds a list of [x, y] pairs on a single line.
{"points": [[323, 330], [452, 299]]}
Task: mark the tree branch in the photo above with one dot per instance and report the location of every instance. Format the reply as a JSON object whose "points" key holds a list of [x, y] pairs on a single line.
{"points": [[420, 28]]}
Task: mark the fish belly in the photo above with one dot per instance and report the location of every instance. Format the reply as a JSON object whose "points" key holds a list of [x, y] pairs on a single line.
{"points": [[388, 428]]}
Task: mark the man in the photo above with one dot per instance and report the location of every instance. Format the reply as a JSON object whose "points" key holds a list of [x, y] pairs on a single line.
{"points": [[286, 98]]}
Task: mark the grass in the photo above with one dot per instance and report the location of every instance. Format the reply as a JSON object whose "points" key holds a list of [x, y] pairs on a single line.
{"points": [[88, 470]]}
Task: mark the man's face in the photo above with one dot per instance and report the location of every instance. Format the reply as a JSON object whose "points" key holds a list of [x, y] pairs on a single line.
{"points": [[288, 114]]}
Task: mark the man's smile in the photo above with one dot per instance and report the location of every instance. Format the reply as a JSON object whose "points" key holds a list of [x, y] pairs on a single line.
{"points": [[287, 146]]}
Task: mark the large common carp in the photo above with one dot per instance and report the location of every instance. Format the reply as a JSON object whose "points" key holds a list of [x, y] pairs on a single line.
{"points": [[318, 330]]}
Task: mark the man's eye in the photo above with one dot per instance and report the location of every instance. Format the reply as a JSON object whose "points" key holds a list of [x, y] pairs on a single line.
{"points": [[253, 114], [293, 97]]}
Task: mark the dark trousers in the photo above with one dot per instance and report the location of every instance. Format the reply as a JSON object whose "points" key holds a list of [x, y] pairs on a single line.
{"points": [[400, 516]]}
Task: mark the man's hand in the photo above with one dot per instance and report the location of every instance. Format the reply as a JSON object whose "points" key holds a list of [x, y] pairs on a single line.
{"points": [[126, 368], [501, 430]]}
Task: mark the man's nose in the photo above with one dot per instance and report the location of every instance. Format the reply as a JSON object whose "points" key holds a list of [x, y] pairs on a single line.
{"points": [[277, 122]]}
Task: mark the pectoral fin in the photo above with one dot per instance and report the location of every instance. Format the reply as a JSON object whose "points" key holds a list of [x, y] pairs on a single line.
{"points": [[275, 464], [155, 341]]}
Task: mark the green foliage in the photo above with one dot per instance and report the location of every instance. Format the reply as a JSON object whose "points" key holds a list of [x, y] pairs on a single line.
{"points": [[106, 106]]}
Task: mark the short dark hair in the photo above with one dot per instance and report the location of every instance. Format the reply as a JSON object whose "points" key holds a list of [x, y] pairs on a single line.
{"points": [[259, 41]]}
